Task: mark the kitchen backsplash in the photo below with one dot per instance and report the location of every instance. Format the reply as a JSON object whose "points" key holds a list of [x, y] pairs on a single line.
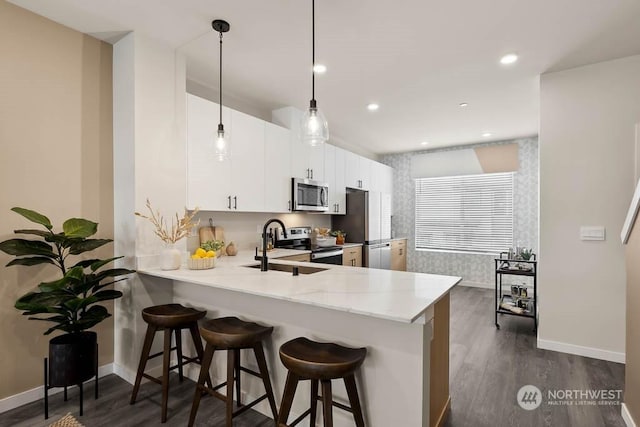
{"points": [[474, 268], [242, 227]]}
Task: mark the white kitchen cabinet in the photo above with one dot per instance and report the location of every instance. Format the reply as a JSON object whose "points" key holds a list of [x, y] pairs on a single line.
{"points": [[207, 185], [236, 184], [340, 193], [357, 171], [247, 163], [334, 168], [278, 168], [307, 162]]}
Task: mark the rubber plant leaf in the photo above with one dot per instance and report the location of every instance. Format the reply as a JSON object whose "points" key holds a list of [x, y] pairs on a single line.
{"points": [[34, 216], [87, 245], [79, 227], [22, 247]]}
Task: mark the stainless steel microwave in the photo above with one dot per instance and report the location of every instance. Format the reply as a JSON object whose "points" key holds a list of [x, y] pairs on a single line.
{"points": [[308, 195]]}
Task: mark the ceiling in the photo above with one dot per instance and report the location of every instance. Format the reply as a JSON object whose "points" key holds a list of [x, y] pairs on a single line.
{"points": [[418, 59]]}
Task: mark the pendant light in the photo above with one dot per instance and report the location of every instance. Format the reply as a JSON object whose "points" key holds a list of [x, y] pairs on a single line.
{"points": [[222, 143], [314, 129]]}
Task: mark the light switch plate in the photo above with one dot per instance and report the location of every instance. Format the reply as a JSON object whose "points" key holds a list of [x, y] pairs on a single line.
{"points": [[592, 233]]}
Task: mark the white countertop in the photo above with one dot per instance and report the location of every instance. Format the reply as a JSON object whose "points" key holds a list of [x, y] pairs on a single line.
{"points": [[392, 295]]}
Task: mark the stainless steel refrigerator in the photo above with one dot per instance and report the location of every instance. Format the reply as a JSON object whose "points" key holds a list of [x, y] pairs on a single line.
{"points": [[368, 221]]}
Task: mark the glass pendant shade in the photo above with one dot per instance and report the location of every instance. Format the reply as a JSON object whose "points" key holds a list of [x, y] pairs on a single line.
{"points": [[222, 145], [314, 129]]}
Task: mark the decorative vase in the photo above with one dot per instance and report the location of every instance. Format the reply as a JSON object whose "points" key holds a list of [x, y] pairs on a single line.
{"points": [[231, 249], [170, 258], [340, 239]]}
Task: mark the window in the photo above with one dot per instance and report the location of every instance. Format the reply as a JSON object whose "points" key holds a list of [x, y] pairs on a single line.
{"points": [[472, 213]]}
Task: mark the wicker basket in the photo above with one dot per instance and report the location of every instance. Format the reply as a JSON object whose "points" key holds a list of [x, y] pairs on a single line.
{"points": [[201, 263]]}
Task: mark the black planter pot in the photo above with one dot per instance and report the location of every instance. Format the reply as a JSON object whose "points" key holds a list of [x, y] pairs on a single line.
{"points": [[73, 359]]}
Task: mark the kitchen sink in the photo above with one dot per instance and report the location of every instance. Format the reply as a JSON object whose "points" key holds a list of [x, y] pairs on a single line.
{"points": [[289, 268]]}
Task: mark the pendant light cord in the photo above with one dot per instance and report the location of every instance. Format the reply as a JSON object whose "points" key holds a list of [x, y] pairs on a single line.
{"points": [[220, 77], [313, 50]]}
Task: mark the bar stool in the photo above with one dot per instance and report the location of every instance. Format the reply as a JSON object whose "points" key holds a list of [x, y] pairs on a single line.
{"points": [[320, 363], [172, 319], [233, 335]]}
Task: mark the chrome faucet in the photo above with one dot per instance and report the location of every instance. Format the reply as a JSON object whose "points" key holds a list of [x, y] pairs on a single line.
{"points": [[264, 261]]}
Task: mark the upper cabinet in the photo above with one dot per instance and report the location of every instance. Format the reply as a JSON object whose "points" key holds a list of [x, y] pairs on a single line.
{"points": [[307, 162], [334, 170], [236, 184], [278, 167], [264, 158], [358, 172], [206, 177]]}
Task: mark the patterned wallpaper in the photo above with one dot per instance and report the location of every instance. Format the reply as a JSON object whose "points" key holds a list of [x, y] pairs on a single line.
{"points": [[475, 269]]}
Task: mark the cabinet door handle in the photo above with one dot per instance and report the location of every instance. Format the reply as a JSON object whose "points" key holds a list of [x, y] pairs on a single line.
{"points": [[229, 200], [235, 202], [311, 173], [307, 173], [289, 205], [400, 252], [353, 262]]}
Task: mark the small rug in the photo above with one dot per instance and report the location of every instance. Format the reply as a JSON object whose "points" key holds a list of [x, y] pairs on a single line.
{"points": [[66, 421]]}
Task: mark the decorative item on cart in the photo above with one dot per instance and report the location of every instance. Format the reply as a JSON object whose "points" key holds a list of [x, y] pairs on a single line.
{"points": [[171, 257], [72, 301]]}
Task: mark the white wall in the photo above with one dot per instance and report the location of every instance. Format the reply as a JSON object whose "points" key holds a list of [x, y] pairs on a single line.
{"points": [[586, 178], [149, 162]]}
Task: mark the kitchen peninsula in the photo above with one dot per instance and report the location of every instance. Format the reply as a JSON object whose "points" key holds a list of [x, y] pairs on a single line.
{"points": [[402, 318]]}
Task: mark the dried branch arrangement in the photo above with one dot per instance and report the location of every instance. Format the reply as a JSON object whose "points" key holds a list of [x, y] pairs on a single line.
{"points": [[180, 227]]}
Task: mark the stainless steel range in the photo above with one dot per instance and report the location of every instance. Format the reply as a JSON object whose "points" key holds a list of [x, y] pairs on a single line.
{"points": [[300, 238]]}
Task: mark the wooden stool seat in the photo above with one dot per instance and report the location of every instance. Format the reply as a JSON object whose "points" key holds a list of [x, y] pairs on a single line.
{"points": [[232, 334], [172, 319], [171, 315], [320, 363]]}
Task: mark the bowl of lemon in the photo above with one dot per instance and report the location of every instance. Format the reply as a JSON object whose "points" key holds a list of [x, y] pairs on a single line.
{"points": [[202, 259]]}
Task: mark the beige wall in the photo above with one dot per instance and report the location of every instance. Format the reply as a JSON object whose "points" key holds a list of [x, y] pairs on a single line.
{"points": [[587, 119], [56, 158], [632, 368]]}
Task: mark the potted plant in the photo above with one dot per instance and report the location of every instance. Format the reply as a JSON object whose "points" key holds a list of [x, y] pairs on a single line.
{"points": [[71, 302]]}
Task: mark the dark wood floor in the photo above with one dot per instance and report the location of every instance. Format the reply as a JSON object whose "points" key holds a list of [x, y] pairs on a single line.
{"points": [[487, 369]]}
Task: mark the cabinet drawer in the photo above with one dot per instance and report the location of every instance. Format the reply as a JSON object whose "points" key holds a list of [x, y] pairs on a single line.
{"points": [[299, 258]]}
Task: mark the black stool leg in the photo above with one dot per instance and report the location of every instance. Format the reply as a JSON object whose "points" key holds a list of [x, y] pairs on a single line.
{"points": [[354, 401], [287, 398], [46, 388], [231, 359], [95, 387], [144, 356], [205, 364], [327, 403], [197, 342], [65, 393], [166, 358], [237, 369], [264, 373], [178, 333], [81, 399], [314, 402]]}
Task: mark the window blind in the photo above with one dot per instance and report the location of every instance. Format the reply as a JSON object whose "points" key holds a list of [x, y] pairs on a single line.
{"points": [[472, 213]]}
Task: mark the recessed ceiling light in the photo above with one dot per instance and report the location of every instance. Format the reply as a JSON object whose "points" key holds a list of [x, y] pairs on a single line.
{"points": [[463, 104], [373, 107], [509, 59], [486, 134], [424, 143], [319, 68]]}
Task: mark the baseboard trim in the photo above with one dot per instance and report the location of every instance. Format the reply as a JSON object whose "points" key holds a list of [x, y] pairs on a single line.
{"points": [[595, 353], [471, 284], [626, 416], [37, 393]]}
